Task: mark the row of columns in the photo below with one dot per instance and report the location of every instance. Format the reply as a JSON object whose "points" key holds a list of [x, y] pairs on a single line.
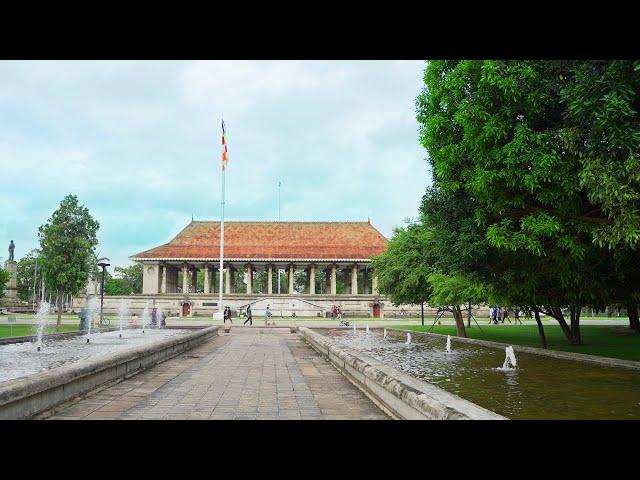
{"points": [[330, 279]]}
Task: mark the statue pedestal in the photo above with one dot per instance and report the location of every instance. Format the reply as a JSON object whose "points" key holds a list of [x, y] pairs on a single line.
{"points": [[11, 289]]}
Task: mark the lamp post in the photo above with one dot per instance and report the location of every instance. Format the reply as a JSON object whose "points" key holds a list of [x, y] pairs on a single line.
{"points": [[102, 263]]}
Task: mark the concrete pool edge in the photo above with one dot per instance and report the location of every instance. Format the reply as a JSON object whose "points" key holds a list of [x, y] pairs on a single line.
{"points": [[576, 357], [28, 396], [396, 392]]}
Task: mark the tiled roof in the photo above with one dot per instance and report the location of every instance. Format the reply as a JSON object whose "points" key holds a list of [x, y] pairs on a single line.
{"points": [[272, 241]]}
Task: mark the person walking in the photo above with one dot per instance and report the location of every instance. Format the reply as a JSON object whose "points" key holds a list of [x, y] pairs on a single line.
{"points": [[267, 314], [334, 313], [249, 317], [229, 314]]}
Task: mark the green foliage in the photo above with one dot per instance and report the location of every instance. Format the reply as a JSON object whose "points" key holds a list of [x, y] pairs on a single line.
{"points": [[132, 277], [116, 286], [67, 243], [545, 154], [4, 279], [25, 274], [456, 290], [403, 269]]}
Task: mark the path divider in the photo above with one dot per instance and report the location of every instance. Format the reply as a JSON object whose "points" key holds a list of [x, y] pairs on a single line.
{"points": [[400, 395], [25, 397]]}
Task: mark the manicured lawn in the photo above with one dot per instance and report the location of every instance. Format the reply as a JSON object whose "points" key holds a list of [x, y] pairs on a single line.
{"points": [[19, 330], [603, 340]]}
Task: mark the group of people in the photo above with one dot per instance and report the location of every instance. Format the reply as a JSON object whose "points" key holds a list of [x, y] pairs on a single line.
{"points": [[336, 312], [249, 315], [500, 314]]}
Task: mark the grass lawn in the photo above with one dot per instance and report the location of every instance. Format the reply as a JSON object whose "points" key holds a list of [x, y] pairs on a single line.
{"points": [[603, 340], [19, 330]]}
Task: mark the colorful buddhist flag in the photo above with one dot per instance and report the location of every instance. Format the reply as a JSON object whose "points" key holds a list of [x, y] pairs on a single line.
{"points": [[225, 152]]}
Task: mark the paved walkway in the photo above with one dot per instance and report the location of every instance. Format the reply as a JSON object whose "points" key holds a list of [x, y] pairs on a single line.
{"points": [[244, 375]]}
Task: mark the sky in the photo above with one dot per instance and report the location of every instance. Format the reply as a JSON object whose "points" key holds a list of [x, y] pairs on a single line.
{"points": [[139, 143]]}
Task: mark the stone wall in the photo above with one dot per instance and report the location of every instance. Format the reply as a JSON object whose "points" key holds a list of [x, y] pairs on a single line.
{"points": [[397, 393], [280, 305]]}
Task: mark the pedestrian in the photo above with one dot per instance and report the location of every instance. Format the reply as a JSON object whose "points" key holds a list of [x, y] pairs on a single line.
{"points": [[492, 314], [339, 313], [249, 317], [516, 316], [154, 317], [162, 319], [267, 314], [334, 312], [229, 314], [134, 321], [505, 315]]}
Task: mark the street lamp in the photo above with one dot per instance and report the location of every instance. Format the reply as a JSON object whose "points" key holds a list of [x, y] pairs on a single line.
{"points": [[102, 263]]}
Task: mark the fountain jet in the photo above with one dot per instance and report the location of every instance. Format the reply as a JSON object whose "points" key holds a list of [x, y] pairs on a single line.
{"points": [[92, 306], [41, 318], [510, 362], [367, 329], [384, 333], [408, 339], [448, 344], [123, 311], [145, 317]]}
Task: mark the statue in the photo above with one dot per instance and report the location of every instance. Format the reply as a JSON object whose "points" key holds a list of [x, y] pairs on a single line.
{"points": [[12, 247]]}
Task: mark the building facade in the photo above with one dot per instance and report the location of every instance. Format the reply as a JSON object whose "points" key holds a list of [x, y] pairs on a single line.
{"points": [[302, 266]]}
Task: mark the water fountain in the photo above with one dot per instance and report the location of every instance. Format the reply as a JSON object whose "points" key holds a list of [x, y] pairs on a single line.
{"points": [[510, 362], [367, 328], [145, 317], [408, 339], [384, 333], [354, 327], [448, 344], [92, 306], [123, 312], [41, 317], [159, 316]]}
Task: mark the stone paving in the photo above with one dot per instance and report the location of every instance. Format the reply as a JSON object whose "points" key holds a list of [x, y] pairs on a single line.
{"points": [[246, 375]]}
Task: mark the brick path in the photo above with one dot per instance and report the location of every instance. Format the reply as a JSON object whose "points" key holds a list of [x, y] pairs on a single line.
{"points": [[245, 375]]}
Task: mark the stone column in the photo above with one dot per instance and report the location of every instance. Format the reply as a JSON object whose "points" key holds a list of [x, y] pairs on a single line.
{"points": [[291, 273], [163, 286], [249, 268], [354, 280], [374, 285], [312, 279], [227, 285], [185, 279], [207, 284], [333, 279], [270, 279]]}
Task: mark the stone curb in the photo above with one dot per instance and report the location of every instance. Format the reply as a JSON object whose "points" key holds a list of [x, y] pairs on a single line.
{"points": [[576, 357], [394, 391], [27, 396]]}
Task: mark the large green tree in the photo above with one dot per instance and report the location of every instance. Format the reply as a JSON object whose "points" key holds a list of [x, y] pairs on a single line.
{"points": [[503, 134], [67, 245]]}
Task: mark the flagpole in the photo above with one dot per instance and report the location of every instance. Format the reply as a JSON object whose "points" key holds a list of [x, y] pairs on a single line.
{"points": [[220, 301]]}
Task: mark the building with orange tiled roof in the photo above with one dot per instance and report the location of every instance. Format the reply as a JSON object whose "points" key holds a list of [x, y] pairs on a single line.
{"points": [[333, 259]]}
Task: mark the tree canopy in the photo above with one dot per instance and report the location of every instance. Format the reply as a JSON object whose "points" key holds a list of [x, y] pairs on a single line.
{"points": [[67, 245]]}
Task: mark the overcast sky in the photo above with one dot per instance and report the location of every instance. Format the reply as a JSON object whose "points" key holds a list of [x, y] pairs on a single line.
{"points": [[139, 143]]}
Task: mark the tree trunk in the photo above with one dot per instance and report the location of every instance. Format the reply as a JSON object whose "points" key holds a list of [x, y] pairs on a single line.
{"points": [[575, 324], [469, 316], [422, 312], [543, 339], [457, 314], [634, 322], [556, 312], [59, 322]]}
